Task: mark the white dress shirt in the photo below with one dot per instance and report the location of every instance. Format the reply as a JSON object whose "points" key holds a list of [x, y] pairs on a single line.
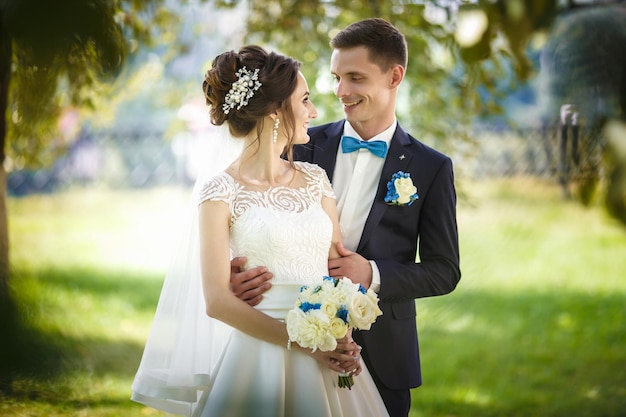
{"points": [[355, 182]]}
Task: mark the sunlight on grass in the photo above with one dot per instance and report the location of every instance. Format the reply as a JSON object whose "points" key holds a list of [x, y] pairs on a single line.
{"points": [[544, 242], [535, 327], [129, 230], [88, 267], [470, 396]]}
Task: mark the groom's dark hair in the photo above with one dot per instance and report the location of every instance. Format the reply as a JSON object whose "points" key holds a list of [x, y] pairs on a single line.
{"points": [[386, 44]]}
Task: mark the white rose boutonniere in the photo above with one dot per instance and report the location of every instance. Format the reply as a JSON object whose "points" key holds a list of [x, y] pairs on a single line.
{"points": [[400, 190]]}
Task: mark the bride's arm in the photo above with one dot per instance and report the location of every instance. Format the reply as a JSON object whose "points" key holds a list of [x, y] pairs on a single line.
{"points": [[222, 304], [330, 207], [345, 345]]}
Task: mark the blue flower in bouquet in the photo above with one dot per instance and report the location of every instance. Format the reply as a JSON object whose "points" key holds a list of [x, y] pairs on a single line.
{"points": [[400, 190], [306, 306], [343, 314], [324, 313]]}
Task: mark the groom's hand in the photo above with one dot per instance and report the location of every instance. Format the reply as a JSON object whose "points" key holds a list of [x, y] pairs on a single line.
{"points": [[249, 285], [351, 265]]}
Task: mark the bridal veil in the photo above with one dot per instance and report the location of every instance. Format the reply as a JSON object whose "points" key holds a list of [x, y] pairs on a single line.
{"points": [[184, 344]]}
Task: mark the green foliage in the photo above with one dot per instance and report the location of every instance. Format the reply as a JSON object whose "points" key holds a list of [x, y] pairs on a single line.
{"points": [[64, 54], [585, 60], [465, 57], [304, 29], [77, 41], [584, 65], [535, 326], [447, 83], [515, 22]]}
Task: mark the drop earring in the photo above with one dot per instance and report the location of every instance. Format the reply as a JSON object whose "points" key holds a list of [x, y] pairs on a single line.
{"points": [[275, 130]]}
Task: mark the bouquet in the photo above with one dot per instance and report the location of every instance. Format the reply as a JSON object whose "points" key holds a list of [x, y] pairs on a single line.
{"points": [[324, 313]]}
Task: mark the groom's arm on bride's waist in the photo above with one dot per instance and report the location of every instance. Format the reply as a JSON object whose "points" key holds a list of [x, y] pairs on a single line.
{"points": [[249, 285]]}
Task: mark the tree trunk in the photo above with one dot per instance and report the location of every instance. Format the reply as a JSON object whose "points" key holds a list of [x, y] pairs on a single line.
{"points": [[4, 240], [8, 313], [6, 56]]}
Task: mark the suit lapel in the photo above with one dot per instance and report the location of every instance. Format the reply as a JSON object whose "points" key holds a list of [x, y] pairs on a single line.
{"points": [[397, 159], [325, 152]]}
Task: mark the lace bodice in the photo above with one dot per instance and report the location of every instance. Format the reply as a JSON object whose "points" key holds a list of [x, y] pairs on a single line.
{"points": [[282, 228]]}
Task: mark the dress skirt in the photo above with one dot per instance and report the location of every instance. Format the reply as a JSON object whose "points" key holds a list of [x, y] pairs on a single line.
{"points": [[254, 378]]}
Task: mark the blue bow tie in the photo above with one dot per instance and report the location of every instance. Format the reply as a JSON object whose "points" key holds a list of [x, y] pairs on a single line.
{"points": [[350, 144]]}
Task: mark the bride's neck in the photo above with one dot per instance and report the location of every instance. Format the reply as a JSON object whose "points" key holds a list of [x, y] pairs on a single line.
{"points": [[263, 166]]}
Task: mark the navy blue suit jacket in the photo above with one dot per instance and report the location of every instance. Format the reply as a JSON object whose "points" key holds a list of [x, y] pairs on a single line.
{"points": [[390, 237]]}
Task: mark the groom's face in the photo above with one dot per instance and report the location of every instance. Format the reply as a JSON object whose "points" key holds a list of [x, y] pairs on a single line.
{"points": [[366, 92]]}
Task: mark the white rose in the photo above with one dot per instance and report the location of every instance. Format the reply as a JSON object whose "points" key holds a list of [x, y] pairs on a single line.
{"points": [[405, 189], [362, 311], [332, 295], [329, 308], [374, 297], [338, 328], [346, 287]]}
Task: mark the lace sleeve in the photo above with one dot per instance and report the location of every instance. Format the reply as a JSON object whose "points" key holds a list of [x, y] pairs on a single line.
{"points": [[327, 189], [217, 188], [321, 178]]}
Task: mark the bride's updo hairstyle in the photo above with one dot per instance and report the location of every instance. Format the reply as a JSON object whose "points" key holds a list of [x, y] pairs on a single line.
{"points": [[278, 77]]}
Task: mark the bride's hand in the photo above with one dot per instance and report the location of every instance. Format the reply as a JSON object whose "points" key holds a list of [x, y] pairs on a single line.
{"points": [[339, 361], [348, 346], [346, 358]]}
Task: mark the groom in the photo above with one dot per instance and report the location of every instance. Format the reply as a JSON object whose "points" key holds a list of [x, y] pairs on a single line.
{"points": [[402, 251]]}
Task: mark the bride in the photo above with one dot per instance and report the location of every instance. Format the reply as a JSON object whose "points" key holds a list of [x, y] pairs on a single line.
{"points": [[239, 361]]}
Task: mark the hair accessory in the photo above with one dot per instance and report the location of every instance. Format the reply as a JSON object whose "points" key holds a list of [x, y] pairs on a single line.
{"points": [[242, 89], [275, 130]]}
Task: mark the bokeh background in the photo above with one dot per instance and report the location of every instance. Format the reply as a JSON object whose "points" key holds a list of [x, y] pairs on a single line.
{"points": [[106, 129]]}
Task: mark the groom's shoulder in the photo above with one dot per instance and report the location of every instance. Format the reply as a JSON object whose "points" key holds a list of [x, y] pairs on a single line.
{"points": [[422, 148], [326, 130]]}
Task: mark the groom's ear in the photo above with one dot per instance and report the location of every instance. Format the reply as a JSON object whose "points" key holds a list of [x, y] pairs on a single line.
{"points": [[397, 75]]}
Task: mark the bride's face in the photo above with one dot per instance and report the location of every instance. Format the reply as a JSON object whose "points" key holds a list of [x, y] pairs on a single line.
{"points": [[303, 110]]}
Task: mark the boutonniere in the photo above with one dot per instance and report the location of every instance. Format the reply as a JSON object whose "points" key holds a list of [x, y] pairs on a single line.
{"points": [[400, 190]]}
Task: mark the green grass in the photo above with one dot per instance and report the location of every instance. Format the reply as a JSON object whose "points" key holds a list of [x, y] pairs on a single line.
{"points": [[535, 328]]}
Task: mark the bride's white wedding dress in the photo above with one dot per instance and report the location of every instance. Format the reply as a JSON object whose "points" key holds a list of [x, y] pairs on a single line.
{"points": [[286, 230]]}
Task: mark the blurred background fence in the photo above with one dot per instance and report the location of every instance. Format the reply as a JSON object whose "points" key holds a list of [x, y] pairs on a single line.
{"points": [[144, 158], [123, 159]]}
